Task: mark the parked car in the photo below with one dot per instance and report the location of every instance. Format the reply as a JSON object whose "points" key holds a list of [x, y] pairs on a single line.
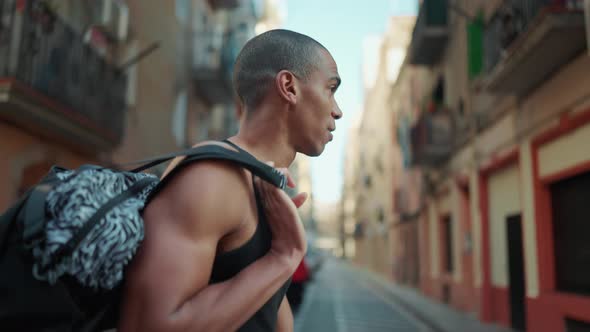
{"points": [[297, 287]]}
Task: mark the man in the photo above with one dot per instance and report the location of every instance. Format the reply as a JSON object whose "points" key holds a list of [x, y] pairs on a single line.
{"points": [[220, 246]]}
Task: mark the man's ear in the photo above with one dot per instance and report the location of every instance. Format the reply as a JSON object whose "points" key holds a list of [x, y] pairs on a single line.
{"points": [[286, 84]]}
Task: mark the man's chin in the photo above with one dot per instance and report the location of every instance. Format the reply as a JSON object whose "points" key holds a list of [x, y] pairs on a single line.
{"points": [[318, 151], [314, 152]]}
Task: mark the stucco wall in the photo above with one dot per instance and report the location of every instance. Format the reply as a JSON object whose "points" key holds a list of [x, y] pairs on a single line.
{"points": [[567, 151], [504, 194]]}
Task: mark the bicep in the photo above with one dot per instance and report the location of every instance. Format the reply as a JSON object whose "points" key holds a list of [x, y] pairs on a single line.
{"points": [[170, 268]]}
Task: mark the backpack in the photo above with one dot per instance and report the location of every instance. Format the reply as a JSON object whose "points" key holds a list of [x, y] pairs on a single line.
{"points": [[64, 245]]}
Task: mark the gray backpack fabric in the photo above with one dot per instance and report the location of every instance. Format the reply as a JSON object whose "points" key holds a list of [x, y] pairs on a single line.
{"points": [[114, 199]]}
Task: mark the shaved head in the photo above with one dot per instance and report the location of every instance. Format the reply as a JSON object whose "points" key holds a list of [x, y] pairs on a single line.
{"points": [[265, 55]]}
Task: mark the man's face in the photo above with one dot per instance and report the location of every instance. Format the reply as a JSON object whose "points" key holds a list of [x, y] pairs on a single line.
{"points": [[317, 110]]}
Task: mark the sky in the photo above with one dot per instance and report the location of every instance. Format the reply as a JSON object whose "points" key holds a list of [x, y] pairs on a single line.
{"points": [[342, 26]]}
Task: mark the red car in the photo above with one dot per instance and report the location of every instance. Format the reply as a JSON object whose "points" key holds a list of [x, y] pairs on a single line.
{"points": [[295, 291]]}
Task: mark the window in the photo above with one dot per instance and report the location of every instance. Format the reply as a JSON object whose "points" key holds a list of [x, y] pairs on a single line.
{"points": [[569, 201], [379, 162], [438, 95], [368, 181], [447, 236], [380, 215]]}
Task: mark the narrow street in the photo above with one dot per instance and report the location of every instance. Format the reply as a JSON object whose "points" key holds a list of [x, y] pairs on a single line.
{"points": [[341, 299]]}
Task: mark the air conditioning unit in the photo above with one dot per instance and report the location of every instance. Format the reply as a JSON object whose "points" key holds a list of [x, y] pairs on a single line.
{"points": [[113, 16]]}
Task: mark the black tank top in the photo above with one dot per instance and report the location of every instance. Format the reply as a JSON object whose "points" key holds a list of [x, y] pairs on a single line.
{"points": [[230, 263]]}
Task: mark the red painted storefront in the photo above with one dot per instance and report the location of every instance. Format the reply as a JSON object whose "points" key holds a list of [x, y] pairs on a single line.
{"points": [[549, 311]]}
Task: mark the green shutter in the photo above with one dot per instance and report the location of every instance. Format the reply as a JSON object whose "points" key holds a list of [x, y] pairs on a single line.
{"points": [[475, 46]]}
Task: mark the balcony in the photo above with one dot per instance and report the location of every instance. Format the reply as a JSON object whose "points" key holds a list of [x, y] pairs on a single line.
{"points": [[430, 34], [53, 84], [526, 41], [210, 73], [432, 138], [214, 54]]}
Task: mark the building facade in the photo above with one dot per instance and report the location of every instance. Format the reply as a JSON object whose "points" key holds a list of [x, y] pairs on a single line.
{"points": [[350, 227], [366, 202], [492, 117], [112, 81]]}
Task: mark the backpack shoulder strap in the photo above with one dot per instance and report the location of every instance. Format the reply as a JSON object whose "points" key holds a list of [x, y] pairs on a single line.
{"points": [[242, 158], [212, 151]]}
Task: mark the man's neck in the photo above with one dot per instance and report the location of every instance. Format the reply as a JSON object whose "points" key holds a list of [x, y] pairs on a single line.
{"points": [[266, 142]]}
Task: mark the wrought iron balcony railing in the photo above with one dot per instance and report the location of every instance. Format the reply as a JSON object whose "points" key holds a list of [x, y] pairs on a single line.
{"points": [[213, 59], [526, 41], [52, 78], [432, 138], [430, 34]]}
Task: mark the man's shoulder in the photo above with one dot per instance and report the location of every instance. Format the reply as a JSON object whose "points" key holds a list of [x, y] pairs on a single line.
{"points": [[203, 194], [217, 180]]}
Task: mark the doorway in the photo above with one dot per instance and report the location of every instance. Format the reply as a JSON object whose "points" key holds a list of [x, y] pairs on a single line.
{"points": [[516, 272]]}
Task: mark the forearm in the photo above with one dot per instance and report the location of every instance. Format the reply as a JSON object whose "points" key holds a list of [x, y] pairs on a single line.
{"points": [[228, 305]]}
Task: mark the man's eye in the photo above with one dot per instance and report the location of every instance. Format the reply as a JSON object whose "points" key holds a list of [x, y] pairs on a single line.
{"points": [[333, 88]]}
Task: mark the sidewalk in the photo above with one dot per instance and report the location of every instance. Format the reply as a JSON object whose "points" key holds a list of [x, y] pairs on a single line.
{"points": [[437, 316]]}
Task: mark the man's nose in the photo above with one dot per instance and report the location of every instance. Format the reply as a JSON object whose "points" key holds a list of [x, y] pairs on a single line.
{"points": [[337, 113]]}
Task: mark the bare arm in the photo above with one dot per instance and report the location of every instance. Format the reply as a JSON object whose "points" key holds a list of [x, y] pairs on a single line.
{"points": [[167, 285], [285, 317]]}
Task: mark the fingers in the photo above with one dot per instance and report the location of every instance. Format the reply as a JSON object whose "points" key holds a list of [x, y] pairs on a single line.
{"points": [[271, 195], [299, 199], [285, 171], [290, 181]]}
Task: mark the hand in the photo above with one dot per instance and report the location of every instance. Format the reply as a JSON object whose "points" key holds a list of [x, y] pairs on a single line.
{"points": [[288, 235]]}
